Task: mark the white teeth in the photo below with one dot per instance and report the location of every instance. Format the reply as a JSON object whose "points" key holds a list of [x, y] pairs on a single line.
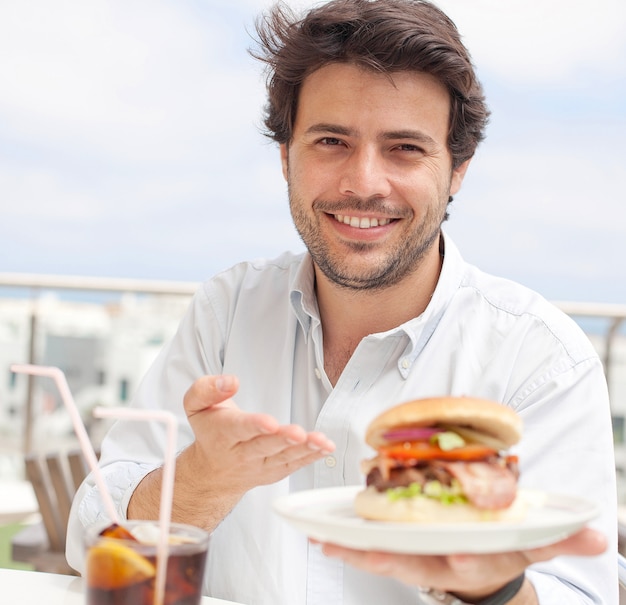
{"points": [[362, 223]]}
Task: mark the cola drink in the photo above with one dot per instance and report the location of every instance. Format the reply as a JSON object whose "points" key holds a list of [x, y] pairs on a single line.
{"points": [[121, 564]]}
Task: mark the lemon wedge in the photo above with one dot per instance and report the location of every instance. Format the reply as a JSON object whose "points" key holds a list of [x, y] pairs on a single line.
{"points": [[114, 565]]}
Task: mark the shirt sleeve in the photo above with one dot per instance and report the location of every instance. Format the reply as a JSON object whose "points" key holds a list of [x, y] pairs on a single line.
{"points": [[132, 449], [568, 448]]}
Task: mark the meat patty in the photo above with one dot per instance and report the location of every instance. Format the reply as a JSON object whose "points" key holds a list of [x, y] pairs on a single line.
{"points": [[487, 484]]}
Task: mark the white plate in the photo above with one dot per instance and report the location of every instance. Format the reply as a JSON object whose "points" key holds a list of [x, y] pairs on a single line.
{"points": [[327, 515]]}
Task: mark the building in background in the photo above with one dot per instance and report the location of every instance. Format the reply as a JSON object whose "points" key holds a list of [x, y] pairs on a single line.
{"points": [[104, 349]]}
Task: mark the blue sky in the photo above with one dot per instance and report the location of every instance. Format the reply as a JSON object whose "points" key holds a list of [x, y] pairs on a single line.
{"points": [[130, 144]]}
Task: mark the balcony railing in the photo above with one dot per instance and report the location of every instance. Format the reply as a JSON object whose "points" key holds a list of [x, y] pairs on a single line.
{"points": [[614, 314], [33, 285], [38, 282]]}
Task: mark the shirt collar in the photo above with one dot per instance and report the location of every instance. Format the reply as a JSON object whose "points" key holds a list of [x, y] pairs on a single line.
{"points": [[302, 295], [418, 330], [421, 328]]}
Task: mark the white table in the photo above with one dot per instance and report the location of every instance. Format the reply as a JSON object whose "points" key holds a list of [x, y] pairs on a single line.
{"points": [[36, 588]]}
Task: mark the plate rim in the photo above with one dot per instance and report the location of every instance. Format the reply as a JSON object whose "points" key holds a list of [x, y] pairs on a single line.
{"points": [[579, 512]]}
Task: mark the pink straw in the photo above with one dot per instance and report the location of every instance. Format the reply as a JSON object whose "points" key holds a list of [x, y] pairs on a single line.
{"points": [[79, 428], [167, 488]]}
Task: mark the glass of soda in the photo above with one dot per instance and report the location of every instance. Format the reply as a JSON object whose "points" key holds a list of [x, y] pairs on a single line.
{"points": [[121, 564]]}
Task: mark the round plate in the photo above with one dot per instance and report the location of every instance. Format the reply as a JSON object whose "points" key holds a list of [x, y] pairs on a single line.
{"points": [[327, 515]]}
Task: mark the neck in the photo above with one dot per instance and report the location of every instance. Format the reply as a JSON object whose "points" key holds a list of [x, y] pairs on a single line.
{"points": [[350, 315]]}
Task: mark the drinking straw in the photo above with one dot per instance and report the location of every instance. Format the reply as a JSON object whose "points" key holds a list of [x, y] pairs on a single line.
{"points": [[79, 428], [167, 484], [167, 488]]}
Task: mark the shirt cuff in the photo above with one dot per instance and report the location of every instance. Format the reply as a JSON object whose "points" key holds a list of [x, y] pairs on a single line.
{"points": [[550, 589], [121, 480]]}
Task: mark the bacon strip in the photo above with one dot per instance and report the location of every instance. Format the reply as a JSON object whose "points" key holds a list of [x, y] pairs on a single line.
{"points": [[486, 485], [383, 463]]}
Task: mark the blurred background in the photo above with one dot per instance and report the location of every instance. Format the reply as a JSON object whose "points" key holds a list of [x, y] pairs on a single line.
{"points": [[130, 141], [132, 167]]}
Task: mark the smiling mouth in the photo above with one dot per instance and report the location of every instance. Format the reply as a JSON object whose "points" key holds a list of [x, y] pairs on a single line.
{"points": [[361, 222]]}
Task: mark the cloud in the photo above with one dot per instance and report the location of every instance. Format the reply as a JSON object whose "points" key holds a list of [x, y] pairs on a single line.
{"points": [[123, 108], [140, 81], [552, 182], [542, 43], [129, 141], [546, 213]]}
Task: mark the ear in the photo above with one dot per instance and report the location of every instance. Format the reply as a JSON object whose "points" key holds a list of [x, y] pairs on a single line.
{"points": [[284, 159], [458, 174]]}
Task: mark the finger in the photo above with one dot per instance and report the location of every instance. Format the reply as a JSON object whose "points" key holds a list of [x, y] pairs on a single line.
{"points": [[586, 542], [403, 567], [277, 455], [250, 426], [286, 446], [278, 467], [468, 571], [208, 391], [296, 435], [231, 427], [416, 570], [320, 442], [474, 569]]}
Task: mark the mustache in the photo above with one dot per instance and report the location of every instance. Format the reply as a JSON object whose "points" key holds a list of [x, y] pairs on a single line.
{"points": [[370, 205]]}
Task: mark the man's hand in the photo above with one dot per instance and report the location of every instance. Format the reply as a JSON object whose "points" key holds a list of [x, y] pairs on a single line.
{"points": [[233, 452], [237, 450], [470, 577]]}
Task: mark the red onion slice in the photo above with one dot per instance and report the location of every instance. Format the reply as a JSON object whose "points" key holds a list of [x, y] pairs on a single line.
{"points": [[411, 433]]}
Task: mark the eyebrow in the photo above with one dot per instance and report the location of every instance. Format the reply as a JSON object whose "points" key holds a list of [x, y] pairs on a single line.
{"points": [[334, 128], [414, 135]]}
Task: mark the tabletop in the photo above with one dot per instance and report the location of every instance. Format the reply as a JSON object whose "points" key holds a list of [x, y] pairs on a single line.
{"points": [[35, 588]]}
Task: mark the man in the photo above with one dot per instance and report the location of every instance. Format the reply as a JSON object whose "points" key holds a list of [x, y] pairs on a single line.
{"points": [[280, 365]]}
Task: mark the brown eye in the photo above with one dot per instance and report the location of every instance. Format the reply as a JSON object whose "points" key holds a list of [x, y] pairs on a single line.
{"points": [[409, 147]]}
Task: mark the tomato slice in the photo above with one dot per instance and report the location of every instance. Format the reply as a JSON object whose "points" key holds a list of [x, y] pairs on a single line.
{"points": [[422, 450]]}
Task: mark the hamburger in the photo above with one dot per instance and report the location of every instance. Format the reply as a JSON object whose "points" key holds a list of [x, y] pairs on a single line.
{"points": [[443, 459]]}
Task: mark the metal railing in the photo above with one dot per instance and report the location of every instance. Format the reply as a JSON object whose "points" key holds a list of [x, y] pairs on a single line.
{"points": [[614, 313], [36, 283]]}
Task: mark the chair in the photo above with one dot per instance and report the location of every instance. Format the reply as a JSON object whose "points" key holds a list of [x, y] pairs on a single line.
{"points": [[55, 479]]}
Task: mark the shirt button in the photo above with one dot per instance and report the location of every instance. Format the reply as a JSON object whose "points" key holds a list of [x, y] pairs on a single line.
{"points": [[406, 363], [318, 374], [330, 461]]}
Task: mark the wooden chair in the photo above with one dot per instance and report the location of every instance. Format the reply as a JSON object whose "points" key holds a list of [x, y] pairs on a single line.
{"points": [[55, 479]]}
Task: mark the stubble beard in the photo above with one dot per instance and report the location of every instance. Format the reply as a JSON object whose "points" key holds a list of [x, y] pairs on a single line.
{"points": [[403, 259]]}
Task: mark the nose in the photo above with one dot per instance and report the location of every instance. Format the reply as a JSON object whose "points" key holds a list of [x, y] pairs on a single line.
{"points": [[364, 174]]}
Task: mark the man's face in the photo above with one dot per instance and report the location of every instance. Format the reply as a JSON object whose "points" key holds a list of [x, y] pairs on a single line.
{"points": [[369, 172]]}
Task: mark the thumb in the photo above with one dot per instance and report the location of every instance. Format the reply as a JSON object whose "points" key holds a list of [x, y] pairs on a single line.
{"points": [[208, 391]]}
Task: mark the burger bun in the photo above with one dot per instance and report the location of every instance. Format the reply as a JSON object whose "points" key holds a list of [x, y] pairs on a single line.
{"points": [[372, 504], [500, 426]]}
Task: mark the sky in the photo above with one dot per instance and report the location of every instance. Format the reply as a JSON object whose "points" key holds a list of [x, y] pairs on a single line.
{"points": [[131, 145]]}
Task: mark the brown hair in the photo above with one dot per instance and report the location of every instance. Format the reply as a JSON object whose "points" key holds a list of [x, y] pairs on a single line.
{"points": [[383, 35]]}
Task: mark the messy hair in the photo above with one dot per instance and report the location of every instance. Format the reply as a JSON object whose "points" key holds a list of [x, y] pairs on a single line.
{"points": [[385, 36]]}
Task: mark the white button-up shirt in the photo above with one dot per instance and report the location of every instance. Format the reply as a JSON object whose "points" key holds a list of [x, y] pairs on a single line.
{"points": [[480, 336]]}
